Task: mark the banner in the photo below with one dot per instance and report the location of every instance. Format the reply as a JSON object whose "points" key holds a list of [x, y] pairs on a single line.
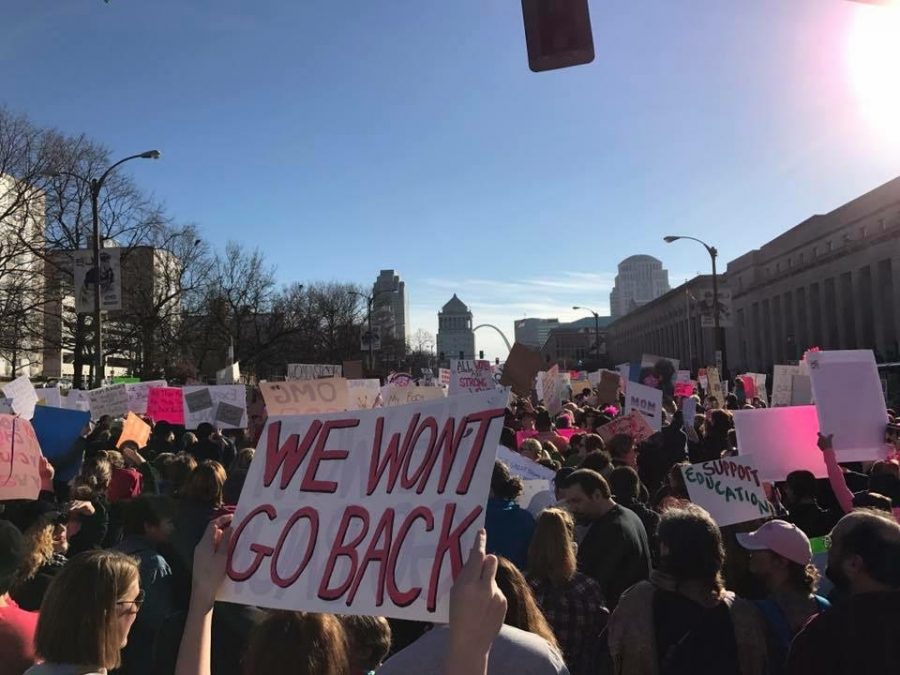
{"points": [[633, 424], [468, 376], [392, 395], [229, 374], [305, 397], [781, 440], [370, 512], [111, 400], [311, 371], [647, 401], [782, 384], [707, 303], [137, 394], [363, 394], [729, 489], [850, 403], [520, 369], [57, 431], [134, 429], [86, 277], [222, 405], [166, 404], [22, 395], [20, 457]]}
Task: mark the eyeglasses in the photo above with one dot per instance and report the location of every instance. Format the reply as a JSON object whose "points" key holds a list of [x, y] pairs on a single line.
{"points": [[137, 602]]}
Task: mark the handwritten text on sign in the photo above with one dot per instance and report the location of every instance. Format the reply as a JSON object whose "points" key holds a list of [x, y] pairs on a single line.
{"points": [[20, 456], [365, 512], [730, 489], [305, 397], [469, 376]]}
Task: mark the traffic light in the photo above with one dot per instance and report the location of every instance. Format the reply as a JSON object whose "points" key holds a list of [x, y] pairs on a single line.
{"points": [[558, 33], [481, 355]]}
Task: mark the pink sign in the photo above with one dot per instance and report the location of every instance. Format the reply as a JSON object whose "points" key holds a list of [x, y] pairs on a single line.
{"points": [[684, 388], [781, 440], [634, 424], [522, 436], [20, 457], [749, 386], [166, 404]]}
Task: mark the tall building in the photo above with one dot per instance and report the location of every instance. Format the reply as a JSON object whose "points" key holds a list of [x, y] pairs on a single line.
{"points": [[641, 278], [455, 338], [574, 345], [390, 306], [534, 332]]}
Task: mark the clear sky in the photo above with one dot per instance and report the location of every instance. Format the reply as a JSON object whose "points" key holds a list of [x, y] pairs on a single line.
{"points": [[344, 137]]}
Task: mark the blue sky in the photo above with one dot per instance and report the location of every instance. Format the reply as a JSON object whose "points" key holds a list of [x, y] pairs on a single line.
{"points": [[344, 137]]}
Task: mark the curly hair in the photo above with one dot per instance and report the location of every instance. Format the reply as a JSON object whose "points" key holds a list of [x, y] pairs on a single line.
{"points": [[38, 551]]}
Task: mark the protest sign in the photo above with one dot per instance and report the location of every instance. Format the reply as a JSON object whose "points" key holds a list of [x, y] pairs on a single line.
{"points": [[166, 404], [444, 376], [579, 384], [134, 429], [749, 385], [468, 376], [368, 512], [689, 411], [715, 389], [703, 380], [112, 401], [229, 374], [222, 405], [400, 380], [801, 390], [551, 389], [850, 403], [352, 370], [523, 467], [57, 431], [312, 371], [20, 457], [137, 393], [647, 401], [624, 370], [392, 395], [77, 399], [6, 406], [608, 388], [658, 372], [782, 384], [50, 396], [21, 393], [729, 489], [634, 424], [520, 369], [363, 394], [684, 388], [781, 440], [564, 386], [759, 379], [683, 376], [305, 397]]}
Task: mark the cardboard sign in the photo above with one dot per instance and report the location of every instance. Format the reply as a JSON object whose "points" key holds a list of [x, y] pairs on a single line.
{"points": [[850, 403], [353, 370], [801, 390], [781, 440], [689, 411], [363, 394], [392, 395], [715, 389], [20, 456], [134, 429], [608, 388], [166, 404], [782, 384], [633, 424], [444, 377], [112, 401], [138, 392], [551, 386], [647, 401], [223, 405], [311, 371], [229, 374], [520, 368], [729, 489], [468, 376], [50, 396], [57, 431], [22, 396], [305, 397], [523, 467], [367, 512]]}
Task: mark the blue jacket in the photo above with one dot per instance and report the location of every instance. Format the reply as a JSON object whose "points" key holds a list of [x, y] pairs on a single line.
{"points": [[509, 529]]}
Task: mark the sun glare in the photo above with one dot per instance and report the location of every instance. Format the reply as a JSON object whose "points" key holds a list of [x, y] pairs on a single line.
{"points": [[873, 59]]}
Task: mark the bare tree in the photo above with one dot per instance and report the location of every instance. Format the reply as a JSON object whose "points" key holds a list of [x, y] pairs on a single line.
{"points": [[421, 341]]}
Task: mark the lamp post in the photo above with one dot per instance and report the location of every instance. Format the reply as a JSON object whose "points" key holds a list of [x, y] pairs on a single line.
{"points": [[721, 360], [596, 329], [368, 299]]}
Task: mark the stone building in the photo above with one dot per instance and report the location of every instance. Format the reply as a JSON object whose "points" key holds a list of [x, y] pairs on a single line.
{"points": [[455, 338], [640, 279]]}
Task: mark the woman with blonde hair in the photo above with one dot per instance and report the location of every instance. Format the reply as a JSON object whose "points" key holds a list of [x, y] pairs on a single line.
{"points": [[87, 613], [522, 610], [46, 543], [571, 602]]}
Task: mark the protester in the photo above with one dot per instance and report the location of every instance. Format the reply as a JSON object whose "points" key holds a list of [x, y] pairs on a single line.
{"points": [[532, 449], [508, 525], [544, 426], [614, 550], [237, 474], [571, 602], [799, 497], [17, 626], [626, 490], [125, 483], [682, 620], [622, 450], [522, 611], [90, 485], [297, 643], [368, 642], [44, 529]]}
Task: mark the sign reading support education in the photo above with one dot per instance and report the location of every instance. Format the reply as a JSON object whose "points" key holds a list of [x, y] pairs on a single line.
{"points": [[729, 489], [645, 400], [369, 512], [468, 376]]}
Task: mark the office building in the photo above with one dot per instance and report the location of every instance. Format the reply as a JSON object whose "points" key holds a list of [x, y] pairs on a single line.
{"points": [[640, 279], [390, 306], [534, 332]]}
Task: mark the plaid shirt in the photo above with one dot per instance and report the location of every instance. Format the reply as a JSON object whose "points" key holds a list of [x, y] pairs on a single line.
{"points": [[577, 613]]}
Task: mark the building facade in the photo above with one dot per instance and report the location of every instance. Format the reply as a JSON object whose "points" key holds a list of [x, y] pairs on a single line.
{"points": [[832, 282], [574, 345], [390, 306], [640, 279], [455, 338], [534, 332]]}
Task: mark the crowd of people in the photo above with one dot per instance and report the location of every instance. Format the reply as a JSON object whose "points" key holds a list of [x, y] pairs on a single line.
{"points": [[614, 571]]}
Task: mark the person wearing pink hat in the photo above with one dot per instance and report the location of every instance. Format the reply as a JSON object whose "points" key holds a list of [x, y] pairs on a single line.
{"points": [[781, 558]]}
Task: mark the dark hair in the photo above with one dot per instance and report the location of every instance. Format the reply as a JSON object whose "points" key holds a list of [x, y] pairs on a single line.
{"points": [[503, 484], [593, 442], [598, 461], [876, 539], [803, 577], [206, 482], [522, 610], [624, 483], [563, 422], [885, 483], [508, 438], [802, 484], [12, 552], [368, 640], [178, 470], [562, 474], [693, 543], [542, 421], [589, 481], [297, 642], [872, 500], [619, 445], [204, 431], [146, 510]]}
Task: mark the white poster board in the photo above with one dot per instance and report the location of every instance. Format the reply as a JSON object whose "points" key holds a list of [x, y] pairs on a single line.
{"points": [[729, 489], [138, 393], [363, 394], [21, 393], [551, 384], [111, 400], [781, 440], [394, 395], [222, 405], [468, 376], [645, 400], [368, 512], [229, 374], [49, 396], [782, 384]]}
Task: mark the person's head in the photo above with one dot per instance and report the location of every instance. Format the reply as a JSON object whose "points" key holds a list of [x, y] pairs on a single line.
{"points": [[162, 432], [622, 449], [508, 438], [781, 557], [151, 517], [88, 610], [598, 461], [690, 546], [242, 459], [864, 554], [559, 479], [873, 501], [675, 480], [719, 423], [179, 470], [563, 422], [205, 483], [527, 421], [624, 483], [587, 493], [188, 439], [44, 531], [368, 641], [12, 553], [543, 422], [532, 449], [885, 482], [800, 487], [300, 643], [503, 484], [93, 480], [576, 444], [551, 554], [522, 610], [593, 442], [204, 431]]}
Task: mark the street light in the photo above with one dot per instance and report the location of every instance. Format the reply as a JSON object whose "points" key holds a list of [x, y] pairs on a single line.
{"points": [[596, 328], [720, 336]]}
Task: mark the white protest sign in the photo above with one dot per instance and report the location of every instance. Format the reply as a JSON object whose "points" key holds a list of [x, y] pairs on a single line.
{"points": [[222, 405], [689, 411], [782, 384], [760, 380], [683, 376], [647, 401], [801, 390], [624, 370], [781, 440], [138, 393], [394, 395], [49, 396], [111, 400], [77, 399], [523, 467], [850, 403], [368, 512], [21, 392], [729, 489], [468, 376], [229, 374], [551, 390], [312, 371], [363, 394]]}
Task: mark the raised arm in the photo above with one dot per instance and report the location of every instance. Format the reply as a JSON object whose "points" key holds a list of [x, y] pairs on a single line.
{"points": [[835, 475]]}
